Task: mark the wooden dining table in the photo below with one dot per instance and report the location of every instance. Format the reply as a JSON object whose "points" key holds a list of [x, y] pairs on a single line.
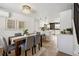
{"points": [[17, 41]]}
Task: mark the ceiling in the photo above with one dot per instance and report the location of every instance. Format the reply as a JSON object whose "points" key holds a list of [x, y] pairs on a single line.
{"points": [[46, 9]]}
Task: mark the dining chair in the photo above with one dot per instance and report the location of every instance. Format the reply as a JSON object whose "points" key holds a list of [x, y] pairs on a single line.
{"points": [[9, 38], [20, 34], [7, 48], [37, 41], [29, 44], [15, 35]]}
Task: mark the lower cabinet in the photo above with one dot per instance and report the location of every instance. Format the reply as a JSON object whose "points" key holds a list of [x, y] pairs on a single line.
{"points": [[65, 44]]}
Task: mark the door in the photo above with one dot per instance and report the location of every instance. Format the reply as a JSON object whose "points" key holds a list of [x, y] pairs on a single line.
{"points": [[76, 19]]}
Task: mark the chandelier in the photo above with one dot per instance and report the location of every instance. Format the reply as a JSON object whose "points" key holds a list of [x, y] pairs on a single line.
{"points": [[26, 9]]}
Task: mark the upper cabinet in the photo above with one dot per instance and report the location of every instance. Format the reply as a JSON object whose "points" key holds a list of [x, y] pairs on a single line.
{"points": [[66, 19], [66, 22]]}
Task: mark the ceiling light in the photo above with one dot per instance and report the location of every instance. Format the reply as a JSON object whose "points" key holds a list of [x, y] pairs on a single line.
{"points": [[26, 9]]}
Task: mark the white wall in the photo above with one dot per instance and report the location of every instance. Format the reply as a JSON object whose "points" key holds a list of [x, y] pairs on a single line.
{"points": [[28, 19]]}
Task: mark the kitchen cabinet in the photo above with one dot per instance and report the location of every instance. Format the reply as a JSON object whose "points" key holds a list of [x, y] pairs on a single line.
{"points": [[65, 44]]}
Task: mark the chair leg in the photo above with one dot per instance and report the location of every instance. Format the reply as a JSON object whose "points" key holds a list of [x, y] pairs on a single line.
{"points": [[9, 52], [35, 48], [39, 46], [4, 53], [25, 52], [32, 51]]}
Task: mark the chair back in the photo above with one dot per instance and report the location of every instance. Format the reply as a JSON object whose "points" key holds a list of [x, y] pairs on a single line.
{"points": [[18, 34], [29, 42], [38, 33], [5, 45], [37, 39]]}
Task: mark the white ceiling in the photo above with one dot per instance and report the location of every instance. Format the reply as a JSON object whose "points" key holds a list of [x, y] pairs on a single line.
{"points": [[46, 9]]}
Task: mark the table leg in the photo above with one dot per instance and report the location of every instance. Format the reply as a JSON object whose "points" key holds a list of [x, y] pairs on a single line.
{"points": [[9, 42], [18, 49], [41, 40]]}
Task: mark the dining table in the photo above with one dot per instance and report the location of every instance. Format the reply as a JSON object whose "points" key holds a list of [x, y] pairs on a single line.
{"points": [[17, 41]]}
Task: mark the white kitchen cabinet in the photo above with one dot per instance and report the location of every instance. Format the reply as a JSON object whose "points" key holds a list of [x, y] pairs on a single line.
{"points": [[65, 44]]}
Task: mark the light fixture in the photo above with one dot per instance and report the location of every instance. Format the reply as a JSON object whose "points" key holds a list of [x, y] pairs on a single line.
{"points": [[26, 9]]}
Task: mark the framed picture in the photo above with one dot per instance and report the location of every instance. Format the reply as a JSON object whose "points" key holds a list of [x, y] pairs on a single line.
{"points": [[10, 24], [14, 24], [21, 25]]}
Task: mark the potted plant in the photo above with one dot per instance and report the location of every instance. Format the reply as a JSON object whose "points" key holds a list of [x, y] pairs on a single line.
{"points": [[25, 31], [42, 28]]}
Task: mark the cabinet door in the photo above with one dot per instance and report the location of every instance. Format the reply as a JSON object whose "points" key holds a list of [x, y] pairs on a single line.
{"points": [[65, 44]]}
